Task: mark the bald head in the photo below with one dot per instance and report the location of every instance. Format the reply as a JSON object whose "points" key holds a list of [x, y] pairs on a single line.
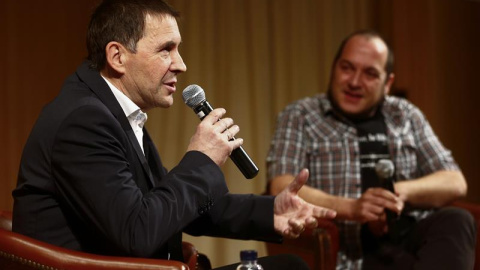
{"points": [[359, 79], [368, 35]]}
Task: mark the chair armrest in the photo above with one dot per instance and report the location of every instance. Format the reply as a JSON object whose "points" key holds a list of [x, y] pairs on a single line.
{"points": [[6, 220], [318, 247], [327, 243], [471, 207], [16, 249], [190, 255]]}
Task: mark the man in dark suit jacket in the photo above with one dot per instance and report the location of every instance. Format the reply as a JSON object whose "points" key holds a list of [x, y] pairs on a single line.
{"points": [[90, 177]]}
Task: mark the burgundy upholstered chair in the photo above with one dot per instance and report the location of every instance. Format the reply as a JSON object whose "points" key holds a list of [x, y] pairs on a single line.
{"points": [[317, 247], [21, 252]]}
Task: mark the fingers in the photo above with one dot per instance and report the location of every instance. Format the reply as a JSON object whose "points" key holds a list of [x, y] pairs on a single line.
{"points": [[322, 212], [298, 226], [384, 199], [295, 228], [214, 116], [215, 136], [396, 206], [299, 181], [221, 125], [231, 132], [311, 223], [216, 119], [373, 203]]}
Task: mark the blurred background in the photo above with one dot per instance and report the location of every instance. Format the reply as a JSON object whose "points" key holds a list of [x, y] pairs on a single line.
{"points": [[253, 57]]}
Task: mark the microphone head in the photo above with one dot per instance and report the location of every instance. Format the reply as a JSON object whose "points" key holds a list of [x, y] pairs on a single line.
{"points": [[384, 168], [193, 95]]}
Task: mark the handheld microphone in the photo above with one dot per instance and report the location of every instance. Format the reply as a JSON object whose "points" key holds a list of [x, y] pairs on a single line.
{"points": [[384, 170], [194, 97]]}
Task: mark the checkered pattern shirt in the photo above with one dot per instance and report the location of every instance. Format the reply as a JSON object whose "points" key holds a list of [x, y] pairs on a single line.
{"points": [[309, 135]]}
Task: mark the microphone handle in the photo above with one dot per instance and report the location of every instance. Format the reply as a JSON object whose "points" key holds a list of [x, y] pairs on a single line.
{"points": [[238, 156], [392, 217], [244, 163]]}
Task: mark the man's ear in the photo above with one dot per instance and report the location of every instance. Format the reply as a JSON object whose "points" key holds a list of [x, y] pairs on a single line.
{"points": [[389, 83], [116, 56]]}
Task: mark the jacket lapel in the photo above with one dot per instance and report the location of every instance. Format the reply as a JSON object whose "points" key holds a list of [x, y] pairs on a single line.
{"points": [[153, 158], [98, 85]]}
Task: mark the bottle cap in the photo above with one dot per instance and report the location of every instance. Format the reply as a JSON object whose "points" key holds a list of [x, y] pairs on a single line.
{"points": [[248, 255]]}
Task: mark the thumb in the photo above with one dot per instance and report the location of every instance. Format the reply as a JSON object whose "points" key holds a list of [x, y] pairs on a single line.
{"points": [[299, 181]]}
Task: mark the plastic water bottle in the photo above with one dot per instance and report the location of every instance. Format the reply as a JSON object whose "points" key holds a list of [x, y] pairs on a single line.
{"points": [[248, 260]]}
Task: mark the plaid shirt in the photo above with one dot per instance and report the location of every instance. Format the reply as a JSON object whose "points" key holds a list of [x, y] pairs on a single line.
{"points": [[309, 135]]}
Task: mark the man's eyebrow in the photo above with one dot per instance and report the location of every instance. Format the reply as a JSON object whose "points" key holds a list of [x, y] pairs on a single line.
{"points": [[372, 68], [345, 61], [348, 62], [168, 44]]}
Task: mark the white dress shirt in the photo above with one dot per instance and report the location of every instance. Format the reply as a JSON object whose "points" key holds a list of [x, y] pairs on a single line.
{"points": [[134, 114]]}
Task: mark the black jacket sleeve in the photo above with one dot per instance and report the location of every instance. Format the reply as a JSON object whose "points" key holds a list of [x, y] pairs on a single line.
{"points": [[238, 216], [94, 180]]}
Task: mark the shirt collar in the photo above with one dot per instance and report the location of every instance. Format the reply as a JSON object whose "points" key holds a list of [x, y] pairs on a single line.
{"points": [[131, 110], [325, 105], [327, 108]]}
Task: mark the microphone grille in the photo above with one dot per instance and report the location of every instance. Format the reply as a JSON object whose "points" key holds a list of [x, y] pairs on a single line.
{"points": [[384, 168], [193, 95]]}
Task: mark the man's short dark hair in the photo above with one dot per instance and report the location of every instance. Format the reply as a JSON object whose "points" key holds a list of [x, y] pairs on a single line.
{"points": [[368, 34], [122, 21]]}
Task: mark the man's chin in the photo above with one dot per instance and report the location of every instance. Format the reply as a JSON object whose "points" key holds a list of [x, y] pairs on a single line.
{"points": [[357, 114], [166, 103]]}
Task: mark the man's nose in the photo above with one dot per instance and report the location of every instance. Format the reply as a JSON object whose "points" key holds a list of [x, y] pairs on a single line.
{"points": [[177, 64], [354, 81]]}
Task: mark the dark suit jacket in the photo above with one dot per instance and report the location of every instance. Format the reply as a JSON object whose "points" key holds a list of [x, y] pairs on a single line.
{"points": [[85, 184]]}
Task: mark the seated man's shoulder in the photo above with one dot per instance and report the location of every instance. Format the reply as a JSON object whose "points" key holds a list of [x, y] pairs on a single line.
{"points": [[305, 105], [399, 104]]}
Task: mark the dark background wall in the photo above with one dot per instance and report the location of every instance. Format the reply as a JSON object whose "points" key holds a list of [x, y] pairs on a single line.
{"points": [[436, 45], [257, 53]]}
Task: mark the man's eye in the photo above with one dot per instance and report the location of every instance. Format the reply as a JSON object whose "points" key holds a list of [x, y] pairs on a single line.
{"points": [[372, 75], [164, 52], [345, 67]]}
